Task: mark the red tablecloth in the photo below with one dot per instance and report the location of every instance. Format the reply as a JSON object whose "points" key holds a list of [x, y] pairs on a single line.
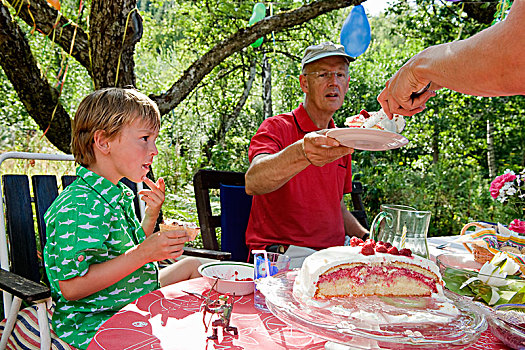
{"points": [[170, 319]]}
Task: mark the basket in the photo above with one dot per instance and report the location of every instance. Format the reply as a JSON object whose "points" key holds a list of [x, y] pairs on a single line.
{"points": [[481, 254], [514, 246]]}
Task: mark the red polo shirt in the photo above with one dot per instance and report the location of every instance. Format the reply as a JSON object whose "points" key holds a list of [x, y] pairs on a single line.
{"points": [[306, 211]]}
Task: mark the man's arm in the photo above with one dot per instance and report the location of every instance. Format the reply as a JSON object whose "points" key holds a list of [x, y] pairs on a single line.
{"points": [[490, 63], [352, 226], [268, 172]]}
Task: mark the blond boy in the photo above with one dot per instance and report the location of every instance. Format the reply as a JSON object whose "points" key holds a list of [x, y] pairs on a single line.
{"points": [[98, 257]]}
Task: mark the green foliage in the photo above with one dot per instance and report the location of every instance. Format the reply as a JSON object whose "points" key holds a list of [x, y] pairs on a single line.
{"points": [[443, 169]]}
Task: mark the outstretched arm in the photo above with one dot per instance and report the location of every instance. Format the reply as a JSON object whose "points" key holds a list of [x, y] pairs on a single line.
{"points": [[268, 172], [156, 247], [490, 63]]}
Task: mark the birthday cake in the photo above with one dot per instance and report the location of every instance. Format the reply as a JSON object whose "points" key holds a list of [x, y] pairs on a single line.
{"points": [[376, 120], [365, 269]]}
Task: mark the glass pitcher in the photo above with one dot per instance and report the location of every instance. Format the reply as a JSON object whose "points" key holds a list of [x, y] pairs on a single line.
{"points": [[403, 227]]}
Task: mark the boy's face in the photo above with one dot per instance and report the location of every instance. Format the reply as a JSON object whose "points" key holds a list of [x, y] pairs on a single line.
{"points": [[132, 152]]}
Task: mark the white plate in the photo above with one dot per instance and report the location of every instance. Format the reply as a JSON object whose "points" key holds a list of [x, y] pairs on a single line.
{"points": [[368, 139]]}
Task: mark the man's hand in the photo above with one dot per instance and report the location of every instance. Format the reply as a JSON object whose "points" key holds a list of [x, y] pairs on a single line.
{"points": [[401, 92], [320, 150]]}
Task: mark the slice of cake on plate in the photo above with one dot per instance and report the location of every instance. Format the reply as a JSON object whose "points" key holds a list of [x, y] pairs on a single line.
{"points": [[191, 229], [376, 120]]}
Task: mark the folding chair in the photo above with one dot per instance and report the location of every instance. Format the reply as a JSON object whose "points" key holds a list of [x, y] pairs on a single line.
{"points": [[22, 274]]}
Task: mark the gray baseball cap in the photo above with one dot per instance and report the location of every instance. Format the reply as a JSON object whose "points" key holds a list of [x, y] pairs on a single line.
{"points": [[326, 49]]}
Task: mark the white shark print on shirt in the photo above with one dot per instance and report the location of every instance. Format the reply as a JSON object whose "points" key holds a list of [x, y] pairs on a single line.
{"points": [[87, 226], [89, 239], [117, 291], [67, 222], [89, 215], [67, 235]]}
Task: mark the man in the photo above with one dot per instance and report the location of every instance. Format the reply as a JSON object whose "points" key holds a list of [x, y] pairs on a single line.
{"points": [[298, 175], [490, 63]]}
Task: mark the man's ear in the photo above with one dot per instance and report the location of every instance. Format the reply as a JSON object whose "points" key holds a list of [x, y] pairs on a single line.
{"points": [[304, 83], [101, 142]]}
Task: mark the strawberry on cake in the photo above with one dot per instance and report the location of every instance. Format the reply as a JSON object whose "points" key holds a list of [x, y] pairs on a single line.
{"points": [[365, 269], [357, 121]]}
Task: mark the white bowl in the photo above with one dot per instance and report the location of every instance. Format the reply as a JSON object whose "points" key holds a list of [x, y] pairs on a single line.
{"points": [[234, 277]]}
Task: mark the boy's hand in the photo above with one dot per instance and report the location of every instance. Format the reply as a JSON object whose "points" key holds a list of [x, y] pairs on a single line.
{"points": [[154, 197], [164, 245]]}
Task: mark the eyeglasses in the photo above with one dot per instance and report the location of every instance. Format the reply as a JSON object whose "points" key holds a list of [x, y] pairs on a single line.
{"points": [[325, 76]]}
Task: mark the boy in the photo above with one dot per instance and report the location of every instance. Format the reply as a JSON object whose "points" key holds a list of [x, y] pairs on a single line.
{"points": [[98, 257]]}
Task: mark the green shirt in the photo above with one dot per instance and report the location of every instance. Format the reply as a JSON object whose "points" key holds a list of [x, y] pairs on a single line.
{"points": [[90, 222]]}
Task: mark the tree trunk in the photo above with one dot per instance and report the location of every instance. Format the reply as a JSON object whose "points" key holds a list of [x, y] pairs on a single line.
{"points": [[267, 87], [111, 45], [34, 91], [491, 159]]}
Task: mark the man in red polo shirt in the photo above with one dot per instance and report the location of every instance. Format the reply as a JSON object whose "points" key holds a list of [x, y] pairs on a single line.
{"points": [[297, 175]]}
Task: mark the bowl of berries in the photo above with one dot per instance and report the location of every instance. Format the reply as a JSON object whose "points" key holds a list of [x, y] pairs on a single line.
{"points": [[229, 277]]}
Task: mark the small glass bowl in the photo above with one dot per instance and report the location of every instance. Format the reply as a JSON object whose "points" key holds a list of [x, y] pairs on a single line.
{"points": [[507, 323], [464, 266]]}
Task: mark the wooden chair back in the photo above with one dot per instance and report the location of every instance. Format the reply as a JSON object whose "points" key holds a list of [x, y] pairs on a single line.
{"points": [[24, 248], [204, 181]]}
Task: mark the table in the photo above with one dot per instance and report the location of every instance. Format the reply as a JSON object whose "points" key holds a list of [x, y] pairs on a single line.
{"points": [[170, 319]]}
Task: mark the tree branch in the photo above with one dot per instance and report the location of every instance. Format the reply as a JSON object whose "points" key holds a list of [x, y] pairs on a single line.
{"points": [[244, 37], [47, 19], [38, 97]]}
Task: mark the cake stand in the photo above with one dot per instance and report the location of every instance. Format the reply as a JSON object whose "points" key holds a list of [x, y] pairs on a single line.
{"points": [[377, 322]]}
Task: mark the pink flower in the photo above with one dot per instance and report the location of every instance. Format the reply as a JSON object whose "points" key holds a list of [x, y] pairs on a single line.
{"points": [[517, 226], [498, 183]]}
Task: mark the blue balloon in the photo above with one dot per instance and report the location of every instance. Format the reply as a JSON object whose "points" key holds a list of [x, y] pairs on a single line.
{"points": [[355, 34]]}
